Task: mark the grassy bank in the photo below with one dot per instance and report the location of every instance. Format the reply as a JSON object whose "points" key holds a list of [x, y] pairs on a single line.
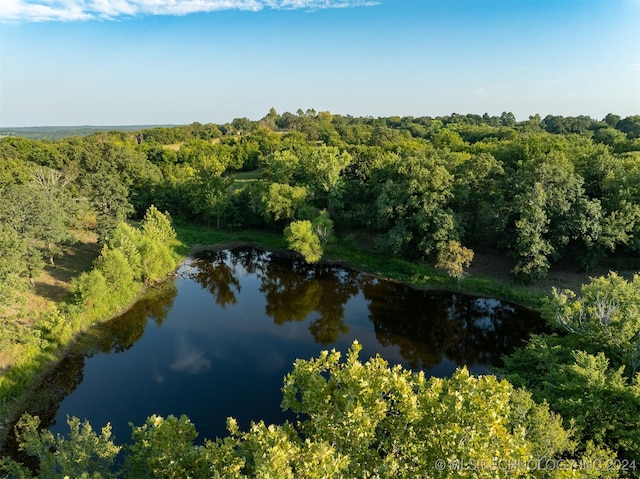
{"points": [[489, 275], [191, 237], [134, 259], [427, 277], [354, 252]]}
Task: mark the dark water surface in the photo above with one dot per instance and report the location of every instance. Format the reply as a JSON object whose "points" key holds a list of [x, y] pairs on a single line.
{"points": [[218, 340]]}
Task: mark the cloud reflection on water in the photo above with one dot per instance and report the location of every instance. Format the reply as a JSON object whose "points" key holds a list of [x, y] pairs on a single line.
{"points": [[189, 359]]}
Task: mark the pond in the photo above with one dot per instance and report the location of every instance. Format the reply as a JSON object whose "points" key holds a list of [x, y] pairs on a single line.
{"points": [[218, 340]]}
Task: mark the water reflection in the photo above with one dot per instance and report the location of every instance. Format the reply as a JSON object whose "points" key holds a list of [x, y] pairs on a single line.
{"points": [[460, 328], [427, 326], [319, 289], [218, 278], [120, 333], [115, 336], [189, 358]]}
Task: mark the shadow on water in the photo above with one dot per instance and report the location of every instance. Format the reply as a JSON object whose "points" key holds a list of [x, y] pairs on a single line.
{"points": [[229, 327]]}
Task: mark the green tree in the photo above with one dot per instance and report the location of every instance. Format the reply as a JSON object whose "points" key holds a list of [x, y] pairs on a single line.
{"points": [[149, 456], [280, 166], [302, 239], [606, 317], [630, 125], [38, 218], [394, 423], [14, 266], [55, 205], [593, 398], [13, 171], [104, 179], [412, 206], [478, 197], [322, 169], [118, 274], [531, 246], [110, 200], [127, 240], [454, 258], [83, 454], [323, 227], [282, 201], [158, 260], [157, 226], [209, 189]]}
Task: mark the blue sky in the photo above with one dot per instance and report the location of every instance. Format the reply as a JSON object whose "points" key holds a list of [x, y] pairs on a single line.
{"points": [[135, 62]]}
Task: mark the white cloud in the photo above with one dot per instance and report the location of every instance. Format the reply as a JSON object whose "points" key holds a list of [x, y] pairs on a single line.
{"points": [[74, 10], [65, 10]]}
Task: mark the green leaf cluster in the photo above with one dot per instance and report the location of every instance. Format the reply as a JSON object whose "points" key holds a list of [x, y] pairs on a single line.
{"points": [[131, 258]]}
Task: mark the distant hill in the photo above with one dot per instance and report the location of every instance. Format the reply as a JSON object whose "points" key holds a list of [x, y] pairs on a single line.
{"points": [[58, 132]]}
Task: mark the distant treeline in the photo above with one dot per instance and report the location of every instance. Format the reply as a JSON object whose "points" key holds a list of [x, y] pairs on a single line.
{"points": [[60, 132]]}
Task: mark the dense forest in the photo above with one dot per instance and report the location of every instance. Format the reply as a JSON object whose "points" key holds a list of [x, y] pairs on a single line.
{"points": [[538, 191], [429, 190]]}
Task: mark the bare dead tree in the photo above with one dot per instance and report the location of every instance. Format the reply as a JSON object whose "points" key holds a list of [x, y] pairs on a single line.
{"points": [[582, 322]]}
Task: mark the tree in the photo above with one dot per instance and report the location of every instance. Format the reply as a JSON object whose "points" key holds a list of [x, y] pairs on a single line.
{"points": [[280, 166], [282, 201], [106, 172], [323, 227], [322, 169], [531, 246], [595, 399], [454, 258], [209, 189], [84, 454], [110, 199], [630, 125], [157, 226], [478, 194], [507, 119], [550, 214], [269, 120], [118, 274], [612, 120], [605, 316], [302, 239], [589, 374], [56, 207], [39, 219], [13, 171], [411, 208], [394, 423], [14, 266]]}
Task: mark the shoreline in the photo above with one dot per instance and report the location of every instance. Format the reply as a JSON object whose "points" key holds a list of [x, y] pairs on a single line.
{"points": [[13, 411]]}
